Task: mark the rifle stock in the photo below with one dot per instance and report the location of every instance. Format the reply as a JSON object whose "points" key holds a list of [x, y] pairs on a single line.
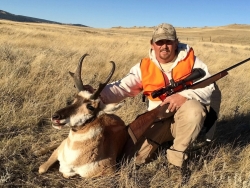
{"points": [[142, 122]]}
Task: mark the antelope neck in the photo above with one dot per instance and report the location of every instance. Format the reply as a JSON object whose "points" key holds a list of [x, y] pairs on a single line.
{"points": [[77, 128]]}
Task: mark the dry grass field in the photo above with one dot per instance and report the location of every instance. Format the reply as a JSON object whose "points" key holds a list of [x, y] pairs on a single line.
{"points": [[34, 64]]}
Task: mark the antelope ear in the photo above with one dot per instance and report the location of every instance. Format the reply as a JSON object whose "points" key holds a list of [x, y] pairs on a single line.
{"points": [[71, 74], [111, 108]]}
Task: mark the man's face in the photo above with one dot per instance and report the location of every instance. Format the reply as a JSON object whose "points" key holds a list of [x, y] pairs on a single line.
{"points": [[164, 50]]}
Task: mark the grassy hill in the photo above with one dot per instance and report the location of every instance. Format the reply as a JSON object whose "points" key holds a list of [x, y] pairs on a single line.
{"points": [[35, 59], [19, 18]]}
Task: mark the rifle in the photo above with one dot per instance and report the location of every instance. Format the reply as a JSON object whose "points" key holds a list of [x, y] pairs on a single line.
{"points": [[142, 122]]}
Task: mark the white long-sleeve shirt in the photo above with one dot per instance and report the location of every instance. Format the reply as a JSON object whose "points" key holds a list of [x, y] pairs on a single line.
{"points": [[131, 85]]}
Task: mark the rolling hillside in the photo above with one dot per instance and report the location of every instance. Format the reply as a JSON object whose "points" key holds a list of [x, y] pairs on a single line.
{"points": [[19, 18]]}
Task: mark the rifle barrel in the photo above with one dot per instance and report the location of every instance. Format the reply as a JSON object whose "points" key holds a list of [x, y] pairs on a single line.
{"points": [[216, 76], [236, 65]]}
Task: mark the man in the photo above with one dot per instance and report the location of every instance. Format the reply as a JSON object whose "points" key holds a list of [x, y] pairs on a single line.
{"points": [[183, 118]]}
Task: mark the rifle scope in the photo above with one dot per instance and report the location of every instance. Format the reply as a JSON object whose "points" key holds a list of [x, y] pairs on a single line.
{"points": [[196, 74]]}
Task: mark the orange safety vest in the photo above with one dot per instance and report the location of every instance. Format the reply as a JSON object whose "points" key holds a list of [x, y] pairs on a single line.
{"points": [[153, 78]]}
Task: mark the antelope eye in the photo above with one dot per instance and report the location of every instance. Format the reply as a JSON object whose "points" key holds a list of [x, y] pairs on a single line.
{"points": [[90, 107], [69, 101]]}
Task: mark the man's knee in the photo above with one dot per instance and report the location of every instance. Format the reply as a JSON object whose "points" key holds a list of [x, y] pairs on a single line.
{"points": [[192, 111]]}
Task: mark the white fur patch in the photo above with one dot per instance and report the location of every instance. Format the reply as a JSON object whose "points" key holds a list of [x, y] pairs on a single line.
{"points": [[86, 169], [79, 119], [68, 155], [85, 94], [66, 170], [92, 133]]}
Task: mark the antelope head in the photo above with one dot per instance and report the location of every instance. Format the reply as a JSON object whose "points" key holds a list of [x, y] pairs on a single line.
{"points": [[86, 106]]}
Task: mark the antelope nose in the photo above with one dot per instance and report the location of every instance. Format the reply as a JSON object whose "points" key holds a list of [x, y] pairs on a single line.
{"points": [[56, 116]]}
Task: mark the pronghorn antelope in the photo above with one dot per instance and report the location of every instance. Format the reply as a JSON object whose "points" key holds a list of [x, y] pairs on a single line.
{"points": [[96, 138]]}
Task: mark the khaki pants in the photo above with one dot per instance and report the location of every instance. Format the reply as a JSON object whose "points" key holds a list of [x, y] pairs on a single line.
{"points": [[182, 127]]}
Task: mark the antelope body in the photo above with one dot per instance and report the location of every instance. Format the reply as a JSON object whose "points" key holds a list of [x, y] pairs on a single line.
{"points": [[96, 137]]}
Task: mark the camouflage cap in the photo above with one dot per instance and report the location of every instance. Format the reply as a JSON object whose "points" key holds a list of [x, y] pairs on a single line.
{"points": [[164, 31]]}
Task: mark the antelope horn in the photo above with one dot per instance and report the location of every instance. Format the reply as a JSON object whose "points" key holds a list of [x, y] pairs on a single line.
{"points": [[102, 85], [77, 75]]}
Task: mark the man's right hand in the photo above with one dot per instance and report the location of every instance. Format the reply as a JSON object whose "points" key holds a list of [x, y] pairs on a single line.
{"points": [[174, 102]]}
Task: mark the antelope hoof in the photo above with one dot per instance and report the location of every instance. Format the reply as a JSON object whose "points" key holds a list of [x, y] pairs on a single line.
{"points": [[42, 169], [66, 176]]}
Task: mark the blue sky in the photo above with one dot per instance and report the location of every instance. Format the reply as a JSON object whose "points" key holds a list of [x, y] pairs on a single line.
{"points": [[129, 13]]}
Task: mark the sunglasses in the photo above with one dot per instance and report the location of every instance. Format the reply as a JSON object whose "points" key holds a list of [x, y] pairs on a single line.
{"points": [[162, 42]]}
